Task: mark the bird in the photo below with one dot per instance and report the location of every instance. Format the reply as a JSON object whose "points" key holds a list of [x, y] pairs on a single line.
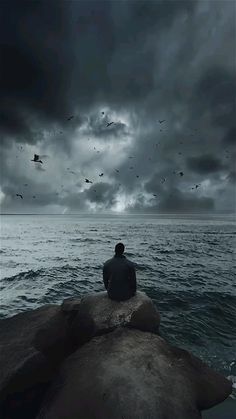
{"points": [[197, 186], [34, 196], [163, 180], [103, 113], [36, 159], [137, 176], [18, 194], [179, 153], [101, 174], [131, 157], [117, 171], [163, 120], [25, 184], [181, 173], [154, 194], [88, 181], [131, 167], [109, 123], [70, 117]]}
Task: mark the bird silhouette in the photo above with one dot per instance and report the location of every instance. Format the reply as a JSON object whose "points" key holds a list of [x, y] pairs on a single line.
{"points": [[163, 120], [88, 181], [70, 117], [131, 168], [109, 123], [163, 180], [154, 194], [25, 184], [137, 176], [181, 173], [18, 194], [36, 159], [34, 196], [101, 174], [117, 171]]}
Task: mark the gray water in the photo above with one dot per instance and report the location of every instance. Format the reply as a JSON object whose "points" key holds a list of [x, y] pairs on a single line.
{"points": [[186, 265]]}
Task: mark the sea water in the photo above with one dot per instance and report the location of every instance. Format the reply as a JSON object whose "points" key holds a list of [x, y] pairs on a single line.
{"points": [[185, 264]]}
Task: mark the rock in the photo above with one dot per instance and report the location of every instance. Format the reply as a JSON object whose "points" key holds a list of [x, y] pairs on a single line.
{"points": [[97, 314], [22, 366], [53, 339], [132, 374], [70, 305]]}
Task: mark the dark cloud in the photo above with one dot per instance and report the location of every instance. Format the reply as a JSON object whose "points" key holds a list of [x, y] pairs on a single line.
{"points": [[132, 63], [204, 164], [102, 193], [179, 202], [232, 177], [230, 137]]}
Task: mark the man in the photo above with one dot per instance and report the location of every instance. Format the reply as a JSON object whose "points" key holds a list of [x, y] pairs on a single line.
{"points": [[119, 276]]}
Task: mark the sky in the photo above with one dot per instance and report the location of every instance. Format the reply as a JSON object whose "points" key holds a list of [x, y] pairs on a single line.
{"points": [[137, 97]]}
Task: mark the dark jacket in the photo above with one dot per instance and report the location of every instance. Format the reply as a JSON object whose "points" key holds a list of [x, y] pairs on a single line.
{"points": [[119, 278]]}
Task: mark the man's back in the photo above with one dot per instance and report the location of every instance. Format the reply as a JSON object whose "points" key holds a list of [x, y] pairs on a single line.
{"points": [[119, 278]]}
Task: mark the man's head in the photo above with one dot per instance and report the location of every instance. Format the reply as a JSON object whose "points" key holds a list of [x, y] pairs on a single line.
{"points": [[119, 249]]}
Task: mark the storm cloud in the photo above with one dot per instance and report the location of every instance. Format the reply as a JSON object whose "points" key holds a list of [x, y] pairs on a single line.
{"points": [[140, 91]]}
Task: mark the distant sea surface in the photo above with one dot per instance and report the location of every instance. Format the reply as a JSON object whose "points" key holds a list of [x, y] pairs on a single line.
{"points": [[185, 264]]}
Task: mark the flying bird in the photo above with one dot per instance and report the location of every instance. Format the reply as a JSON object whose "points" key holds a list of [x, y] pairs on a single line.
{"points": [[117, 171], [18, 194], [88, 181], [36, 159], [137, 176], [109, 123], [131, 167], [25, 184], [163, 120], [163, 180], [101, 174], [34, 196], [181, 173], [70, 117], [154, 194]]}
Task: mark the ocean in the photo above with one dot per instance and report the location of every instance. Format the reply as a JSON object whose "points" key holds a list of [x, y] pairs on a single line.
{"points": [[186, 264]]}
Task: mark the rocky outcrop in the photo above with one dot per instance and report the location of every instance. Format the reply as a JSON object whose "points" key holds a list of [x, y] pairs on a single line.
{"points": [[119, 364], [23, 368], [136, 375], [97, 314]]}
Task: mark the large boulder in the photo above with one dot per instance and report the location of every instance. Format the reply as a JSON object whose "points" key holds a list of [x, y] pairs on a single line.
{"points": [[22, 366], [53, 337], [132, 374], [97, 314]]}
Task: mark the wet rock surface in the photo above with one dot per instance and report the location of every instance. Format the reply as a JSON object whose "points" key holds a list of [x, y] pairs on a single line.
{"points": [[133, 374], [98, 358]]}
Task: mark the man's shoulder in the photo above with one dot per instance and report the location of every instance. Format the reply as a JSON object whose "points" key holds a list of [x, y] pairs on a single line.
{"points": [[108, 261], [130, 263]]}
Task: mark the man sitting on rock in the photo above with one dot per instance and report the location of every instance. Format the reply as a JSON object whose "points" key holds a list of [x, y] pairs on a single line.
{"points": [[119, 276]]}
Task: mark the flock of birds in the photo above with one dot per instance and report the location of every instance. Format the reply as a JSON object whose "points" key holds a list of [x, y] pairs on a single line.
{"points": [[37, 159]]}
